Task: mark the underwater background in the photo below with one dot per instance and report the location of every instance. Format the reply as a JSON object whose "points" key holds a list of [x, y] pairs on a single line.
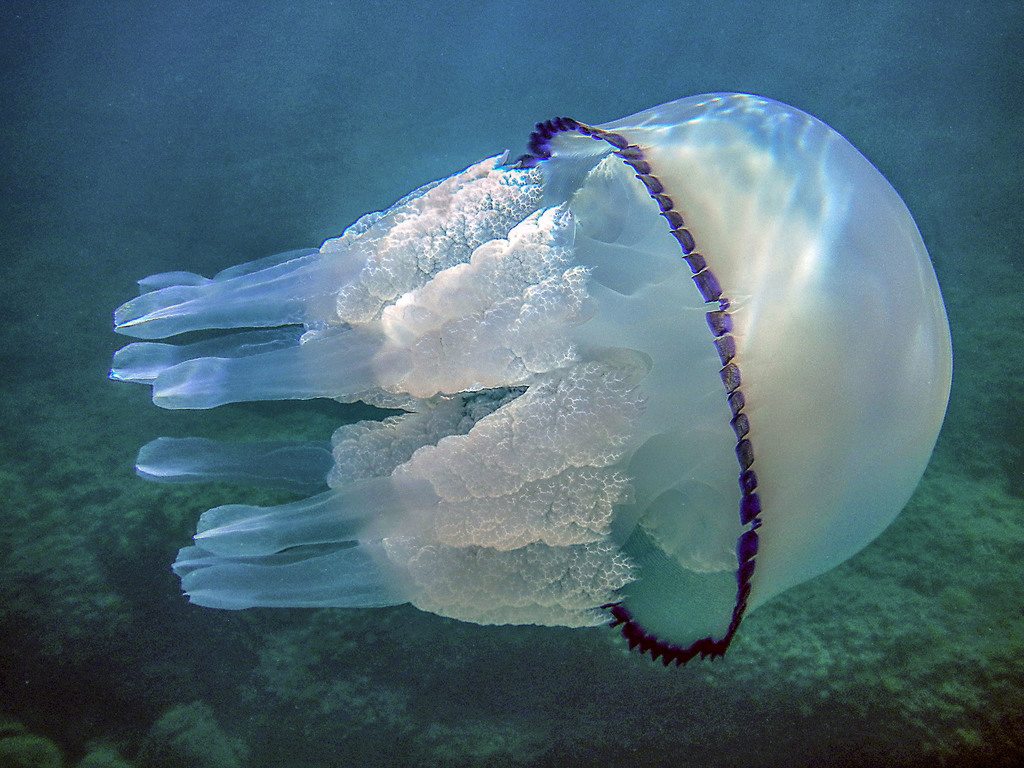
{"points": [[142, 137]]}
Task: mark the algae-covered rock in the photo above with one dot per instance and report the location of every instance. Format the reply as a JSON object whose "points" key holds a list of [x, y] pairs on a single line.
{"points": [[25, 750], [188, 736], [103, 756]]}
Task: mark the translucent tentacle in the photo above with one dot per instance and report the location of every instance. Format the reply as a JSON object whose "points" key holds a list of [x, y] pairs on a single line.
{"points": [[322, 551], [296, 291], [336, 363], [290, 465], [144, 360], [357, 576]]}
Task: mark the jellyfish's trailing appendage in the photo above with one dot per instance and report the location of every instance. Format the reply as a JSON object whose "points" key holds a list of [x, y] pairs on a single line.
{"points": [[289, 465], [653, 371]]}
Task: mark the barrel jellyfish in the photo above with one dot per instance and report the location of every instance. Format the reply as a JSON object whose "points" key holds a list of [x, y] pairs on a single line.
{"points": [[651, 373]]}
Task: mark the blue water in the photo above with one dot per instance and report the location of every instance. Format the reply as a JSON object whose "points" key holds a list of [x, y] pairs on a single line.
{"points": [[140, 137]]}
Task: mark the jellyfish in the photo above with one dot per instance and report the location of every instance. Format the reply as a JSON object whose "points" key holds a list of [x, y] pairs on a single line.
{"points": [[651, 373]]}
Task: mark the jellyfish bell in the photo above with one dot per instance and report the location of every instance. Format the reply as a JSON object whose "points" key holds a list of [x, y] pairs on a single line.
{"points": [[655, 372]]}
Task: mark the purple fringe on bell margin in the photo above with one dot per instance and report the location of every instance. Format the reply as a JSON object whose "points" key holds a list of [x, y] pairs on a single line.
{"points": [[540, 140], [720, 323]]}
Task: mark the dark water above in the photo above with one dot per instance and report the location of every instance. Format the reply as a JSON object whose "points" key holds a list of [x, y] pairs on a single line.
{"points": [[143, 137]]}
